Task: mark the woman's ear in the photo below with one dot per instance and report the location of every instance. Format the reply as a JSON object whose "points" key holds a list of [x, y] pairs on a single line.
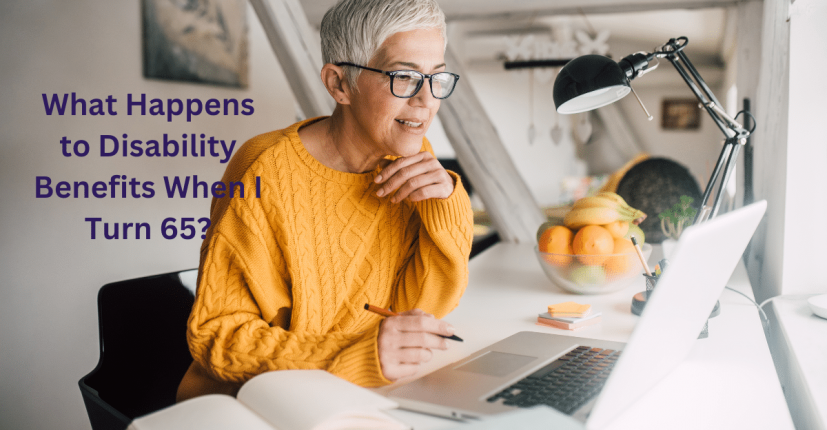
{"points": [[333, 78]]}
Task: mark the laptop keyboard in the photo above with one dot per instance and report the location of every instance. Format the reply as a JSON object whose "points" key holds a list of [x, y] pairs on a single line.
{"points": [[565, 384]]}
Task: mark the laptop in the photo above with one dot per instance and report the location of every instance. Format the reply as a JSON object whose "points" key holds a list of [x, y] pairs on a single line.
{"points": [[593, 381]]}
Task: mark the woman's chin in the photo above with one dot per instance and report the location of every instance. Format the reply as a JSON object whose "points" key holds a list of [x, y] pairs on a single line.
{"points": [[408, 146]]}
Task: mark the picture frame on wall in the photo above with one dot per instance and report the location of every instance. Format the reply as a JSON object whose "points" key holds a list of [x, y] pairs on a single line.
{"points": [[202, 41], [680, 114]]}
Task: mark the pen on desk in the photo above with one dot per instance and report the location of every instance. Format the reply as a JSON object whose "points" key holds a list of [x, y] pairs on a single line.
{"points": [[387, 313], [640, 255]]}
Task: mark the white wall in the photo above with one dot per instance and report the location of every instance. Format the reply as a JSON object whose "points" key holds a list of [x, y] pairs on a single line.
{"points": [[504, 96], [804, 238], [51, 269]]}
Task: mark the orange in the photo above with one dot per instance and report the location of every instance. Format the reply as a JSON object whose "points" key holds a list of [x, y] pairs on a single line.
{"points": [[556, 240], [591, 243], [620, 264], [545, 226], [618, 228]]}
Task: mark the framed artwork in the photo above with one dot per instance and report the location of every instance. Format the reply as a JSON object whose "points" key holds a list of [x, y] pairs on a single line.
{"points": [[680, 114], [201, 41]]}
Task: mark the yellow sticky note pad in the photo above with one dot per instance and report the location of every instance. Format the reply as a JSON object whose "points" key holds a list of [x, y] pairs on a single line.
{"points": [[569, 308]]}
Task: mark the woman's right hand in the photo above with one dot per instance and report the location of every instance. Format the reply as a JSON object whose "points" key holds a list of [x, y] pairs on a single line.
{"points": [[406, 341]]}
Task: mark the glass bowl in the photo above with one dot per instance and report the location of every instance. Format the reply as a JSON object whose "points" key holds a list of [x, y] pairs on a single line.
{"points": [[593, 274]]}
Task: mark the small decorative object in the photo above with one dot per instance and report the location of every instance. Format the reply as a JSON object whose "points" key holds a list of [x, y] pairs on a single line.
{"points": [[542, 54], [532, 132], [673, 221], [598, 45], [556, 132], [680, 115], [198, 41], [584, 128]]}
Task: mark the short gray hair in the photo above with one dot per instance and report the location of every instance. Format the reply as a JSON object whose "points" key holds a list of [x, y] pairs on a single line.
{"points": [[353, 30]]}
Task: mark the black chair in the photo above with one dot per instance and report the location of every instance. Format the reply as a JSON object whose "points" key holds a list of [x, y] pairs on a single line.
{"points": [[143, 348]]}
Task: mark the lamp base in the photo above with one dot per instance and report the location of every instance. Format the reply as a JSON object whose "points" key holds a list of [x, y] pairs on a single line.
{"points": [[639, 302]]}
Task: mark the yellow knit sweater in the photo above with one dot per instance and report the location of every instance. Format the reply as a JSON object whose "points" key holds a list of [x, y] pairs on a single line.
{"points": [[283, 278]]}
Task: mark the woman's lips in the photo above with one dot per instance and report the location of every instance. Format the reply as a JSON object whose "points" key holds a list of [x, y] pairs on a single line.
{"points": [[409, 123]]}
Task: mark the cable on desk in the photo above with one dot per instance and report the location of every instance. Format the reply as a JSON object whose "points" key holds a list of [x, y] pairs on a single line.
{"points": [[760, 307], [768, 300]]}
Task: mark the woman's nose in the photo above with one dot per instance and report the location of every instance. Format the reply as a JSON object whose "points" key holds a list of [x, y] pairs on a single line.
{"points": [[424, 97]]}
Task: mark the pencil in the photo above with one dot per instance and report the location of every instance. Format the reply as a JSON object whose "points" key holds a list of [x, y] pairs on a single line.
{"points": [[640, 255], [387, 313]]}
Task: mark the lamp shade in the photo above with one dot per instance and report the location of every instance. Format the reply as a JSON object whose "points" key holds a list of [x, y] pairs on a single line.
{"points": [[589, 82]]}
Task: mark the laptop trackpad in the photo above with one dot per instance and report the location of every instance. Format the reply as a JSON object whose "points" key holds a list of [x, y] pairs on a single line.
{"points": [[494, 363]]}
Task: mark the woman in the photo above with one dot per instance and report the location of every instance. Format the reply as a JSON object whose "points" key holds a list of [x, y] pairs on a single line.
{"points": [[354, 209]]}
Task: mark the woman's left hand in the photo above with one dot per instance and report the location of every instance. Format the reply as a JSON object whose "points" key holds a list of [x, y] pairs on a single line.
{"points": [[418, 177]]}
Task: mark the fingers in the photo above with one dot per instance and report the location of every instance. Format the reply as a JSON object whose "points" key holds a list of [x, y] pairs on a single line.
{"points": [[391, 169], [421, 340], [416, 178], [433, 184], [407, 340], [419, 323], [415, 355]]}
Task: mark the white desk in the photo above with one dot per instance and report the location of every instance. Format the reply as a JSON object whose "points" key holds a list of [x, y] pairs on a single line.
{"points": [[727, 382], [799, 340]]}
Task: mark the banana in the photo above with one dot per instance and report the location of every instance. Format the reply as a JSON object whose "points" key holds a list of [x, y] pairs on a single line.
{"points": [[603, 204], [596, 202], [577, 218], [626, 212], [613, 196]]}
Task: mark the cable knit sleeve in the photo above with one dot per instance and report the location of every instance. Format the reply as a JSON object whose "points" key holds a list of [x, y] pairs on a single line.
{"points": [[240, 323], [436, 270]]}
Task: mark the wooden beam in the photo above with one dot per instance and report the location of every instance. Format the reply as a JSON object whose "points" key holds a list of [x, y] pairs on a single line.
{"points": [[768, 248], [617, 126], [476, 9], [291, 38], [485, 160], [747, 57], [456, 10]]}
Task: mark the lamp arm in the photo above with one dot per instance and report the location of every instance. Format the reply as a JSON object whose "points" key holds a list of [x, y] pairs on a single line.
{"points": [[705, 102], [715, 105], [736, 134], [673, 51]]}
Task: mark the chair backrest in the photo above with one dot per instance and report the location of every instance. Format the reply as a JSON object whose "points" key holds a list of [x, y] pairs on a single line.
{"points": [[143, 348]]}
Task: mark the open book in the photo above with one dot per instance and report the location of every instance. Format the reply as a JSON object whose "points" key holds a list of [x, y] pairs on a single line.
{"points": [[280, 400]]}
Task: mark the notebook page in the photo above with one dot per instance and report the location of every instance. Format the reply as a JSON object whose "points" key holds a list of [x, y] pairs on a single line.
{"points": [[210, 412], [304, 399]]}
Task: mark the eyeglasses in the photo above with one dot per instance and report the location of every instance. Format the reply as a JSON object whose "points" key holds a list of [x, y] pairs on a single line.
{"points": [[406, 83]]}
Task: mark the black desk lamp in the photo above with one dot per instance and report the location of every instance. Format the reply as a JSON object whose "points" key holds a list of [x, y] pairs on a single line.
{"points": [[593, 81]]}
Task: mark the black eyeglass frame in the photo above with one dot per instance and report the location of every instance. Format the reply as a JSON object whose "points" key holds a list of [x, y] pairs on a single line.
{"points": [[393, 74]]}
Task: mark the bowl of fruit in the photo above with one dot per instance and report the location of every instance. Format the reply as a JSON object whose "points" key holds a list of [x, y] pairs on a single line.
{"points": [[591, 251]]}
